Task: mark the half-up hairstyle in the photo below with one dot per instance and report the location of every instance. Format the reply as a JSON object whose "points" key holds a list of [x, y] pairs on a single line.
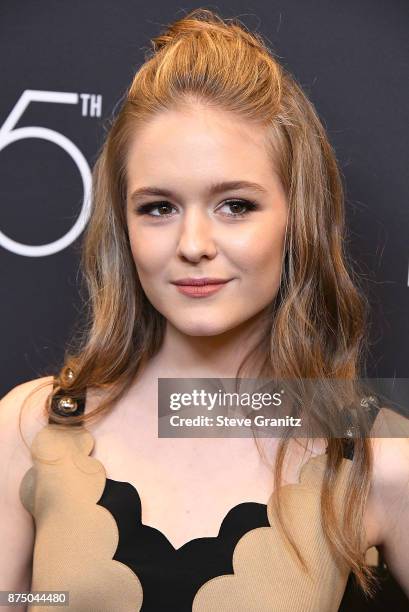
{"points": [[318, 320]]}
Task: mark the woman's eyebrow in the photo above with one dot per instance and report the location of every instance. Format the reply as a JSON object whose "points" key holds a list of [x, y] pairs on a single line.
{"points": [[213, 189]]}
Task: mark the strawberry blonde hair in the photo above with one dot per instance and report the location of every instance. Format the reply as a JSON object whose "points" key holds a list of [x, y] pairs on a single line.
{"points": [[317, 323]]}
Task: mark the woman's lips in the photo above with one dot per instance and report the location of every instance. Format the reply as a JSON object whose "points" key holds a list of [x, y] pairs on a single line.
{"points": [[200, 290]]}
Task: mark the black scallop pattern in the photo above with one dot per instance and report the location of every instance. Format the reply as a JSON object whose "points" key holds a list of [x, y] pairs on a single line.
{"points": [[171, 577]]}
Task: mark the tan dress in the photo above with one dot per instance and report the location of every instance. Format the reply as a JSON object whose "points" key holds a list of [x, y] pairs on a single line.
{"points": [[76, 540]]}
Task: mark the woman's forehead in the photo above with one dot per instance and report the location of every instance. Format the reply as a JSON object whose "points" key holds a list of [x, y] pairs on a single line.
{"points": [[209, 145]]}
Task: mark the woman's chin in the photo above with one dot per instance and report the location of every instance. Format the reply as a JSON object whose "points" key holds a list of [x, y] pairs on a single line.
{"points": [[202, 328]]}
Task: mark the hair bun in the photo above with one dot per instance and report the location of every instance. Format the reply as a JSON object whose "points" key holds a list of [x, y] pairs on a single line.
{"points": [[197, 21]]}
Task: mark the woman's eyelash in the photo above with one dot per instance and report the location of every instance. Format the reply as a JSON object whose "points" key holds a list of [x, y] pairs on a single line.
{"points": [[146, 209]]}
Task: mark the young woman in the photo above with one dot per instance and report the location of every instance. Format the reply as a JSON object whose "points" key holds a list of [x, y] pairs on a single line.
{"points": [[215, 172]]}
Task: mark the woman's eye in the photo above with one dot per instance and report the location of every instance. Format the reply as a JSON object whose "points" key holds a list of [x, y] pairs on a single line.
{"points": [[239, 208], [162, 207]]}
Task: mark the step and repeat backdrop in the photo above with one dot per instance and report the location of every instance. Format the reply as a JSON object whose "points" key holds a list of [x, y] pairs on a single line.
{"points": [[65, 68]]}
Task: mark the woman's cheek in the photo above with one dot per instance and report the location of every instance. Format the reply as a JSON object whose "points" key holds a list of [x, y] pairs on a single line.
{"points": [[147, 252]]}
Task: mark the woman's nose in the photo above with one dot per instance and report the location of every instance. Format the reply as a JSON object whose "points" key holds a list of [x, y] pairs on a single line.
{"points": [[196, 238]]}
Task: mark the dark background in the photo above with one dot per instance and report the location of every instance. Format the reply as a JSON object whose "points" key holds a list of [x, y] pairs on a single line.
{"points": [[352, 59]]}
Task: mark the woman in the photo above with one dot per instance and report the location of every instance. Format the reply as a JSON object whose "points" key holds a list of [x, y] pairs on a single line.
{"points": [[218, 168]]}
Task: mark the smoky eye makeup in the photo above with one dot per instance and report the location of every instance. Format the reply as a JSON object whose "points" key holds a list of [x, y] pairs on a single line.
{"points": [[237, 207]]}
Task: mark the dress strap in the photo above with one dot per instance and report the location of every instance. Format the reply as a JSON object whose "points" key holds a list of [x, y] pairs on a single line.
{"points": [[63, 403]]}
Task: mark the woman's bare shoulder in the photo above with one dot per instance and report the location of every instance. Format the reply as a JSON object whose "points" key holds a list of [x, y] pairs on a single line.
{"points": [[389, 496], [22, 415], [389, 491], [390, 445]]}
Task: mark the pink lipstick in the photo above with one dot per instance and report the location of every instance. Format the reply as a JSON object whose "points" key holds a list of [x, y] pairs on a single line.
{"points": [[200, 287]]}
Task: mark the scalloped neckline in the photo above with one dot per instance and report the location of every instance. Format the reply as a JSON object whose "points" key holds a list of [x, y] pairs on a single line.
{"points": [[311, 460], [90, 534], [200, 539]]}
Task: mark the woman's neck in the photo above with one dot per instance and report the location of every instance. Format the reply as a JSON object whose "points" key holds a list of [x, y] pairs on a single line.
{"points": [[219, 356]]}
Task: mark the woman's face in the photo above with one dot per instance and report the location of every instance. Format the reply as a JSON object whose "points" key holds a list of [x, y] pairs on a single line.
{"points": [[186, 221]]}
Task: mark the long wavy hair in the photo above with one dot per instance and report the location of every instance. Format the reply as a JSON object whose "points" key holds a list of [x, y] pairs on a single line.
{"points": [[316, 327]]}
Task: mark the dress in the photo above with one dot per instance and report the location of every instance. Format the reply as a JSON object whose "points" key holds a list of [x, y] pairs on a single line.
{"points": [[91, 542]]}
